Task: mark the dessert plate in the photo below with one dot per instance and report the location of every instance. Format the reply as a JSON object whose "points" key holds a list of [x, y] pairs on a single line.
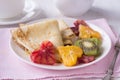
{"points": [[30, 11], [106, 46]]}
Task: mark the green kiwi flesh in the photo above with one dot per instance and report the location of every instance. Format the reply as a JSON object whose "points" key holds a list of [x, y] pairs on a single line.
{"points": [[90, 46]]}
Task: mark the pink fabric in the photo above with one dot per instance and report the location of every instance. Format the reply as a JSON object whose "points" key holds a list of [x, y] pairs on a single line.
{"points": [[12, 68]]}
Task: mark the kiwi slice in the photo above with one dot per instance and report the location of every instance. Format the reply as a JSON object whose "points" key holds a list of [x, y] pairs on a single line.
{"points": [[90, 46], [96, 41]]}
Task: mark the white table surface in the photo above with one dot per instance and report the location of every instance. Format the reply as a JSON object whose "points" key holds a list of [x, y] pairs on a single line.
{"points": [[108, 9]]}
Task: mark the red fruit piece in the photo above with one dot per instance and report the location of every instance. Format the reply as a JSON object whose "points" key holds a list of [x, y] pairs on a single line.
{"points": [[86, 59], [75, 30], [80, 22], [45, 54]]}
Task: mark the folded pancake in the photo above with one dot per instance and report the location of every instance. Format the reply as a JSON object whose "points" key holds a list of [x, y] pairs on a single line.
{"points": [[31, 36], [67, 34]]}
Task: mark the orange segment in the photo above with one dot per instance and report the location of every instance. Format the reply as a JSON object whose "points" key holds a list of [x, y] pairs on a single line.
{"points": [[69, 54], [87, 32]]}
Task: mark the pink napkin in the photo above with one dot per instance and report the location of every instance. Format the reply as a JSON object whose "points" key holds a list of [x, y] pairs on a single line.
{"points": [[12, 68]]}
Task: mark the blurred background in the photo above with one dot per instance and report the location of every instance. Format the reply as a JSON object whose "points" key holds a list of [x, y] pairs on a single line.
{"points": [[108, 9]]}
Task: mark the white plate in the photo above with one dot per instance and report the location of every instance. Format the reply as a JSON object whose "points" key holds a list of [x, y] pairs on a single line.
{"points": [[106, 45], [30, 11]]}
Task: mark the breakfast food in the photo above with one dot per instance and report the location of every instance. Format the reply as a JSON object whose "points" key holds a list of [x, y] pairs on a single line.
{"points": [[89, 47], [68, 35], [87, 32], [53, 41], [45, 54], [70, 54], [31, 36]]}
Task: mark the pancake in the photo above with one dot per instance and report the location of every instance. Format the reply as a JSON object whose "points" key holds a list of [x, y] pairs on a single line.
{"points": [[30, 36]]}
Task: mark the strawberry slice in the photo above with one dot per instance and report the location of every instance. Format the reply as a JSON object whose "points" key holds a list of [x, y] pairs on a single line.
{"points": [[45, 54]]}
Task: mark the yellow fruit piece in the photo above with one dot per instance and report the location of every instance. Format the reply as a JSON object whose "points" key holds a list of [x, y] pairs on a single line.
{"points": [[69, 54], [87, 32]]}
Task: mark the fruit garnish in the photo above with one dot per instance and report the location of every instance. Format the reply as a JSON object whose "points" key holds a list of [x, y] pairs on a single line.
{"points": [[70, 54], [87, 32], [80, 22], [96, 41], [75, 30], [90, 46], [86, 59], [45, 54]]}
